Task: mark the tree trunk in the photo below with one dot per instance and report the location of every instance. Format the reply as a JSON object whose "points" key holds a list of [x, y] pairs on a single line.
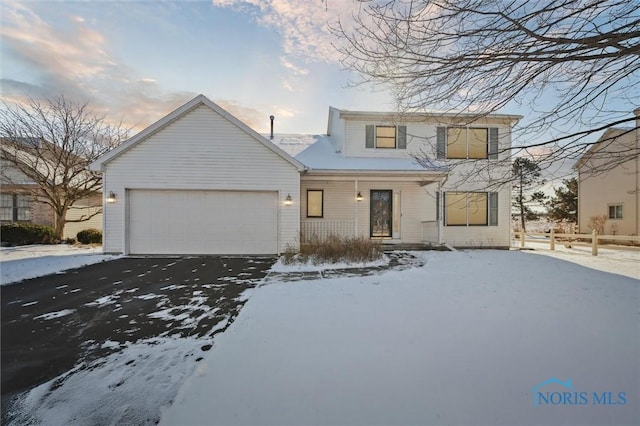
{"points": [[61, 220], [521, 200]]}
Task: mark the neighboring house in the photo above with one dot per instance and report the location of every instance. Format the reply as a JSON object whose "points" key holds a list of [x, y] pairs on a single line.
{"points": [[199, 181], [608, 186], [18, 204]]}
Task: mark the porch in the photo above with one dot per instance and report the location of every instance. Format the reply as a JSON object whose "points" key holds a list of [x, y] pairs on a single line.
{"points": [[394, 210]]}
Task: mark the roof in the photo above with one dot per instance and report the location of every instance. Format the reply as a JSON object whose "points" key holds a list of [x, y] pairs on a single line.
{"points": [[196, 102], [322, 155], [292, 144], [609, 136], [406, 117]]}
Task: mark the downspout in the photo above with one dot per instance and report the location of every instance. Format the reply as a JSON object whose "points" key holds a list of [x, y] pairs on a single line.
{"points": [[355, 210], [637, 189], [441, 207]]}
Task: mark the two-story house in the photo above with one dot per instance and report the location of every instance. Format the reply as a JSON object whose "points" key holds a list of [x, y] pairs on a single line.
{"points": [[21, 200], [609, 181], [199, 181], [410, 178]]}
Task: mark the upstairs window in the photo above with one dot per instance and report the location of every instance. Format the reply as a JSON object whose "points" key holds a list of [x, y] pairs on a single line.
{"points": [[386, 137], [615, 212], [467, 143]]}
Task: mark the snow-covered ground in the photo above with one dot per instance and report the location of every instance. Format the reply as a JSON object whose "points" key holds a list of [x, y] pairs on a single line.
{"points": [[24, 262], [625, 261], [463, 339]]}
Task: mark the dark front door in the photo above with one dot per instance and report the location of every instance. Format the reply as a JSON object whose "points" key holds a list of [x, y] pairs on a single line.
{"points": [[381, 213]]}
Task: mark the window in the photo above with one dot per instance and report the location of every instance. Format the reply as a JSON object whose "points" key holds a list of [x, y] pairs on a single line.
{"points": [[386, 137], [471, 208], [15, 208], [615, 212], [467, 142], [315, 202]]}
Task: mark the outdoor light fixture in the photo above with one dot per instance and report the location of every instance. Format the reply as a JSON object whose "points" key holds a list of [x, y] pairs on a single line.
{"points": [[288, 201], [359, 196], [111, 198]]}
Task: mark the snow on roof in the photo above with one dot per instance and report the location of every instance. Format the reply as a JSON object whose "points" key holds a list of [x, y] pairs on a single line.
{"points": [[291, 144], [322, 155]]}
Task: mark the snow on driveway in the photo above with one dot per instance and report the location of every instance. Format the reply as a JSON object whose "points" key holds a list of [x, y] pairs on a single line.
{"points": [[24, 262], [464, 339]]}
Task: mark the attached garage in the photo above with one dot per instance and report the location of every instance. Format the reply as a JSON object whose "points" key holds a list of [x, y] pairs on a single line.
{"points": [[198, 182], [202, 222]]}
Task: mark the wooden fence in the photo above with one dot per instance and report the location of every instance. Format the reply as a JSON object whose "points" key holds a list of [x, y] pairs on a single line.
{"points": [[594, 240]]}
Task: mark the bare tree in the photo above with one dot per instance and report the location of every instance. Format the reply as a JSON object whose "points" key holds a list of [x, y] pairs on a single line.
{"points": [[51, 143], [576, 63]]}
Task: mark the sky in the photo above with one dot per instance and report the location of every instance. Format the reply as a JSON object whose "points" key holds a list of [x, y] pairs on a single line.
{"points": [[139, 60], [136, 61]]}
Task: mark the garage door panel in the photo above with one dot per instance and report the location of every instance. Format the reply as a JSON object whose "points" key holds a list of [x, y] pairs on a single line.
{"points": [[202, 222]]}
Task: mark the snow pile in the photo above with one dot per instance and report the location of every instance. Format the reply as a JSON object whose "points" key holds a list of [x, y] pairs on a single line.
{"points": [[462, 340], [310, 266], [24, 262]]}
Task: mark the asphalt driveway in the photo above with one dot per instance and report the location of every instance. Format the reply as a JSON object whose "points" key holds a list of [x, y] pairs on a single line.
{"points": [[49, 324]]}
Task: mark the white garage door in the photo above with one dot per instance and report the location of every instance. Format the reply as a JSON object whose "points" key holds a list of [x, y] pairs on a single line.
{"points": [[202, 222]]}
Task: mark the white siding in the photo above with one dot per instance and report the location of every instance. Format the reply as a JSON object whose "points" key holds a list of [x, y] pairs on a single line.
{"points": [[336, 129], [200, 151]]}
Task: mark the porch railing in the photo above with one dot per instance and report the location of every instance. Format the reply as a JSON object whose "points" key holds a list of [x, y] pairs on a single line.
{"points": [[430, 232], [311, 230]]}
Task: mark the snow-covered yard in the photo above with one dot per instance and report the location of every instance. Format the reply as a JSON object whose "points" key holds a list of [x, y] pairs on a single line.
{"points": [[24, 262], [463, 339]]}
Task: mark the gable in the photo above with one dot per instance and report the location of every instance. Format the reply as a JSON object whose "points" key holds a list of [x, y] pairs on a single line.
{"points": [[200, 145], [222, 129]]}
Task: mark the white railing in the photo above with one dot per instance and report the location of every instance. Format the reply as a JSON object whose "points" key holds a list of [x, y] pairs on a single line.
{"points": [[430, 232], [320, 230]]}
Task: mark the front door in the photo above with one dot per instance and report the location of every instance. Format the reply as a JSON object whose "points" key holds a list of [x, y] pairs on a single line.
{"points": [[381, 213]]}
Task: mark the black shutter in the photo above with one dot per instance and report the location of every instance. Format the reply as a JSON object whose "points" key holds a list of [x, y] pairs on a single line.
{"points": [[441, 142], [402, 137], [493, 209], [370, 135], [437, 205], [493, 143]]}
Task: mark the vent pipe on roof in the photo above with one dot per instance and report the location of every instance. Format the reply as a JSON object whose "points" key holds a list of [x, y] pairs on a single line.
{"points": [[271, 117]]}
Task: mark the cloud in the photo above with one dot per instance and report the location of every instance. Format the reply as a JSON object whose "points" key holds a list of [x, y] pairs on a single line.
{"points": [[293, 68], [303, 24], [75, 61]]}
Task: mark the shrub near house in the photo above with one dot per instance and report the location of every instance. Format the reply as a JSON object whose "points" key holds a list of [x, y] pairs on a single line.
{"points": [[27, 233], [90, 236]]}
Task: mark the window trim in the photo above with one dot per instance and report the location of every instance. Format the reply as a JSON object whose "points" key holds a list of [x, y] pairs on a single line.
{"points": [[616, 208], [467, 133], [399, 138], [489, 219], [491, 146], [395, 137], [321, 191], [16, 209]]}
